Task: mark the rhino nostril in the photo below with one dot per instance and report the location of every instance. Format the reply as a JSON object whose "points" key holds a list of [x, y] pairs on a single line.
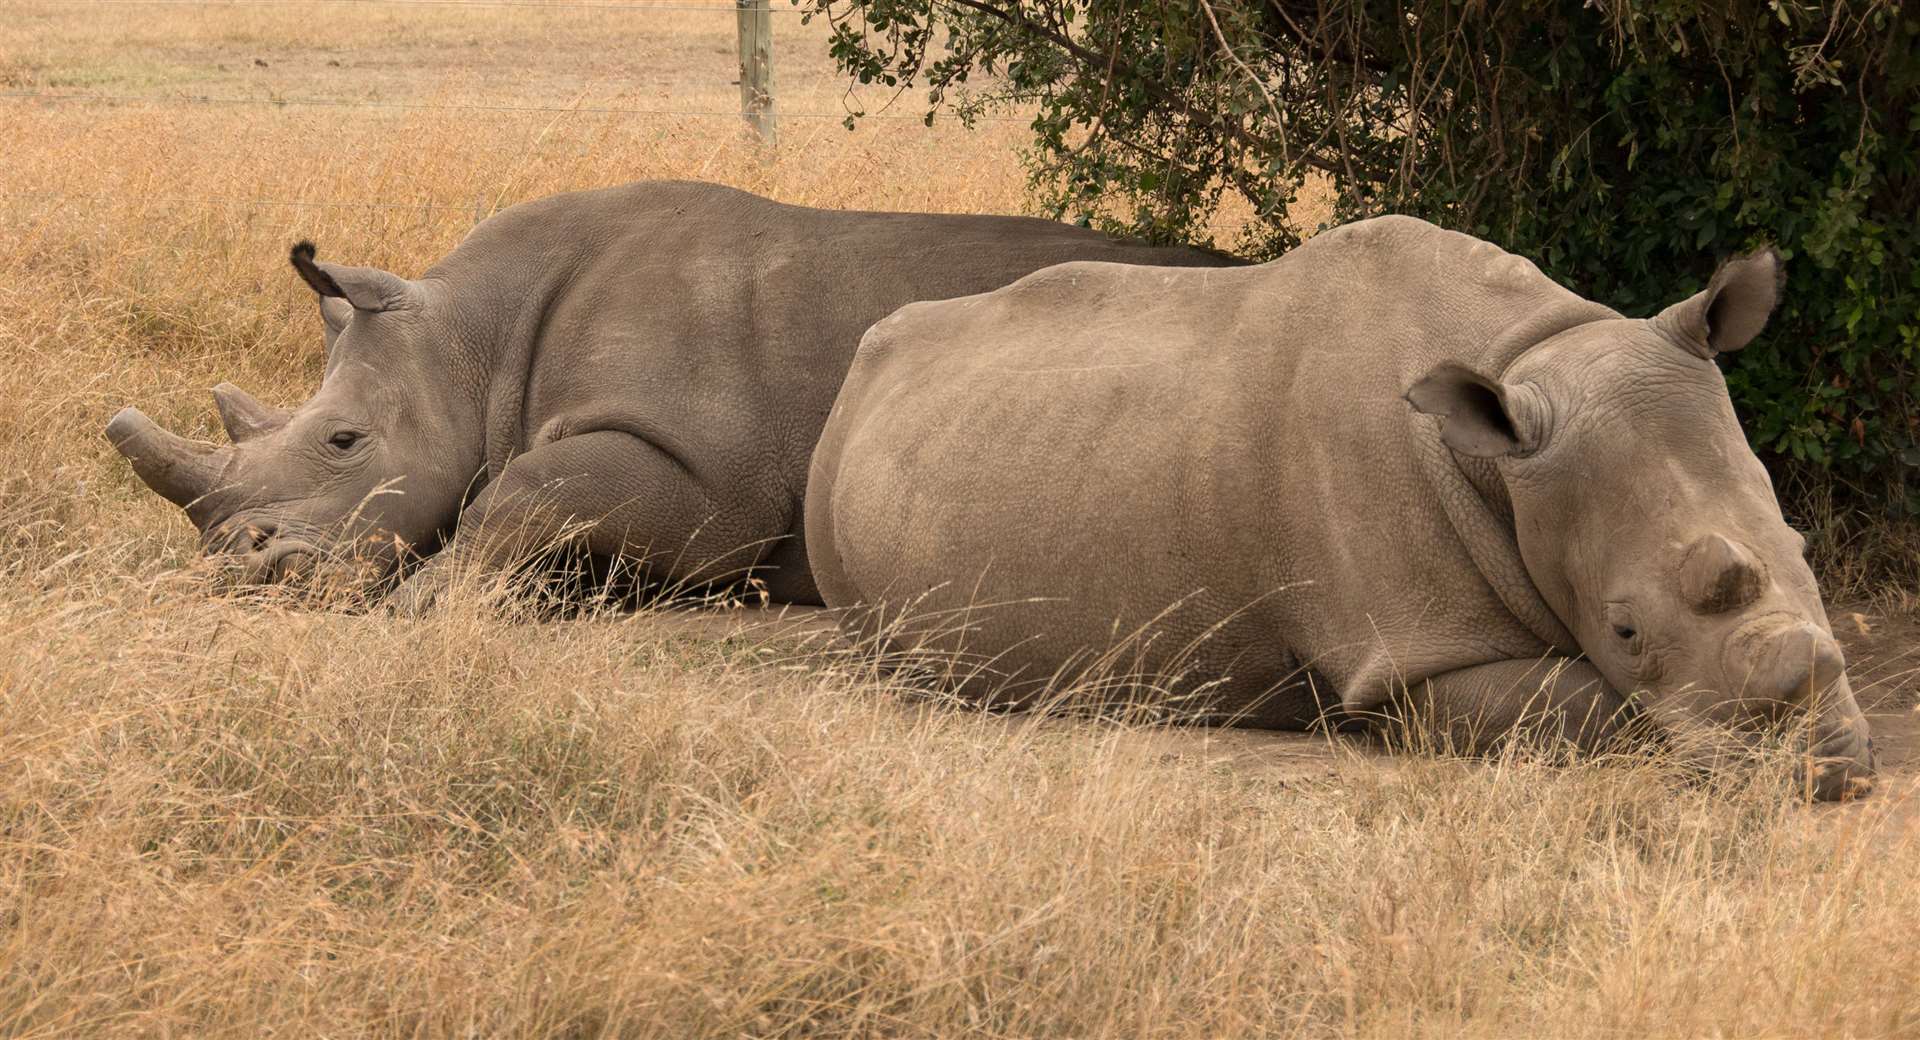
{"points": [[261, 534]]}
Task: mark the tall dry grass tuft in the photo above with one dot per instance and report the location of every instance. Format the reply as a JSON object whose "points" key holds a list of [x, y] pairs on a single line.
{"points": [[1858, 555], [226, 816], [225, 821]]}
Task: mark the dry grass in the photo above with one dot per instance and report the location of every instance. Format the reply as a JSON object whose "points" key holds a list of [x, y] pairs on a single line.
{"points": [[236, 819], [226, 822]]}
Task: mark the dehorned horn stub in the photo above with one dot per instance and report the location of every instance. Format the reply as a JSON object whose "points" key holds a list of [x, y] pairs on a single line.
{"points": [[1796, 665], [1717, 576], [244, 417], [179, 470]]}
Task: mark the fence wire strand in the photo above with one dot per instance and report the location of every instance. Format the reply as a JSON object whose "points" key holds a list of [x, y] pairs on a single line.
{"points": [[560, 5], [669, 113], [224, 200], [479, 210]]}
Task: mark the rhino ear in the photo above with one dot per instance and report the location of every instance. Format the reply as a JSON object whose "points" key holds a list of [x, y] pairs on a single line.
{"points": [[366, 288], [1479, 416], [1732, 309]]}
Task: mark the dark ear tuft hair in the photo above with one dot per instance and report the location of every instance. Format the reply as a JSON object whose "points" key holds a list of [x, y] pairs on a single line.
{"points": [[321, 282]]}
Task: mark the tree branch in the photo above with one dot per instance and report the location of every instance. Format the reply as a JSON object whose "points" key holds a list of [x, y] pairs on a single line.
{"points": [[1089, 59]]}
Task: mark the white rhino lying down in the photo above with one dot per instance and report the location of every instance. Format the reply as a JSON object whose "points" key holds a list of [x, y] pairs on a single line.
{"points": [[1396, 463], [652, 360]]}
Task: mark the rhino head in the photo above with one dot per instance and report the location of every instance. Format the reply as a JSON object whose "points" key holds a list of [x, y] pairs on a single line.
{"points": [[369, 472], [1651, 529]]}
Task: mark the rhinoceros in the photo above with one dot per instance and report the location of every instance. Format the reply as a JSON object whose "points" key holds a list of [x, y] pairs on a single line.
{"points": [[1397, 470], [643, 368]]}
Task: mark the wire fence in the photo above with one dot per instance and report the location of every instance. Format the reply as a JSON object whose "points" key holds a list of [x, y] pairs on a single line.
{"points": [[477, 211], [53, 97], [556, 5], [225, 200]]}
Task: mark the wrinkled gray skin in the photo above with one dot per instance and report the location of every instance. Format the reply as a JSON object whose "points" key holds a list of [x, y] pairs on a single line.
{"points": [[1397, 469], [653, 360]]}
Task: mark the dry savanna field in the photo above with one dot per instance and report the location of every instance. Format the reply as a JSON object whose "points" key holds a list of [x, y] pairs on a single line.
{"points": [[228, 818]]}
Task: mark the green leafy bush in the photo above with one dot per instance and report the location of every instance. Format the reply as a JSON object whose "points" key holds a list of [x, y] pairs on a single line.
{"points": [[1626, 146]]}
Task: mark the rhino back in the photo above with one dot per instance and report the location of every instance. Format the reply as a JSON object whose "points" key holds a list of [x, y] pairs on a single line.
{"points": [[1230, 444], [716, 324]]}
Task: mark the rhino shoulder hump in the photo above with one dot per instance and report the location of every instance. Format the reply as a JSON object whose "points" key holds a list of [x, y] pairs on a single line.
{"points": [[1464, 258], [1391, 229], [919, 321], [1060, 276]]}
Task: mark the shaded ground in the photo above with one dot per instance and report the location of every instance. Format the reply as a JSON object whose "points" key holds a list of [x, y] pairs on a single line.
{"points": [[1886, 673], [1881, 655]]}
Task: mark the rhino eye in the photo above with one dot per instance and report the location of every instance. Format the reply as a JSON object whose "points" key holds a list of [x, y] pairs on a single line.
{"points": [[344, 440], [1621, 620]]}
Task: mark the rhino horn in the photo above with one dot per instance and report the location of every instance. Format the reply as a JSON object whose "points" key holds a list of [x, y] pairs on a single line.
{"points": [[1791, 662], [244, 417], [1801, 663], [179, 470], [1717, 576]]}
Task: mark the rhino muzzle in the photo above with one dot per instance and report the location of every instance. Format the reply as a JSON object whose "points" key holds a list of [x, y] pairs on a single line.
{"points": [[297, 567], [1840, 758], [1791, 666], [281, 564]]}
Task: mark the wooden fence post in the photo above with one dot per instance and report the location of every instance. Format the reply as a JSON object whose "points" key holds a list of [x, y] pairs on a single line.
{"points": [[756, 66]]}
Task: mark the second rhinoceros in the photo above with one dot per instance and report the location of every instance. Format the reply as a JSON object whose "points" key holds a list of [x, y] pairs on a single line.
{"points": [[644, 367], [1397, 468]]}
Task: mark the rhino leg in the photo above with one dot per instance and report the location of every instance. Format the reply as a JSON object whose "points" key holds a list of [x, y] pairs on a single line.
{"points": [[611, 494], [1473, 710]]}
